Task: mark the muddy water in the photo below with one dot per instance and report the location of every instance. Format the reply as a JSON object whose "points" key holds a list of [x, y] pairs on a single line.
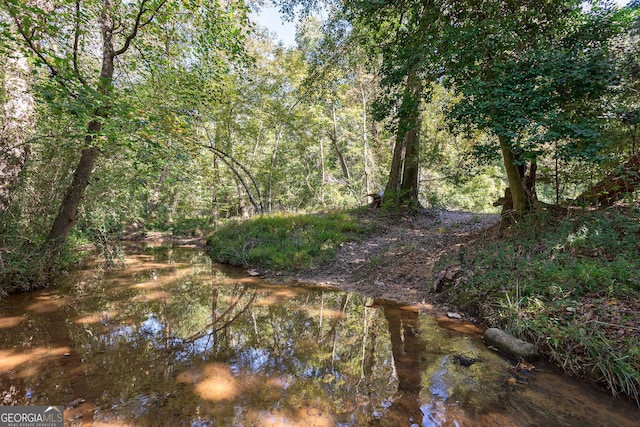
{"points": [[175, 341]]}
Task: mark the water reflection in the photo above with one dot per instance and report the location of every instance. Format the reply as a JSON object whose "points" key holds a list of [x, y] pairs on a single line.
{"points": [[173, 340]]}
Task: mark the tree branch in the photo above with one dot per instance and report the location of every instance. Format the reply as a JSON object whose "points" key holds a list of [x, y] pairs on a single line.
{"points": [[28, 38], [76, 40], [258, 206], [227, 160], [138, 24]]}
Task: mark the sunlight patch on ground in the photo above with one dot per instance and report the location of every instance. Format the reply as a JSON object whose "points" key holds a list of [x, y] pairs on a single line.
{"points": [[10, 322], [26, 372], [12, 359], [94, 318], [218, 383], [47, 303], [306, 416]]}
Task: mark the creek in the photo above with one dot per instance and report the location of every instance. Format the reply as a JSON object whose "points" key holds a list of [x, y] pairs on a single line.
{"points": [[174, 340]]}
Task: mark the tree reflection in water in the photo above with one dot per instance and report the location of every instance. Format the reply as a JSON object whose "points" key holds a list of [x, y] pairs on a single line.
{"points": [[407, 347], [172, 340]]}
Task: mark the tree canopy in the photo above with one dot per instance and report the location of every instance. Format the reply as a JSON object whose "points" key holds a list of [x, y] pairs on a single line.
{"points": [[154, 114]]}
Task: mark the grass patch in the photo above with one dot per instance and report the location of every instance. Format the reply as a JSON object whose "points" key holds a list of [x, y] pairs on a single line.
{"points": [[286, 242], [571, 285]]}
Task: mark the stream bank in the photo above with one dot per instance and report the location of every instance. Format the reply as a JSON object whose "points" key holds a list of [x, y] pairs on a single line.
{"points": [[541, 280]]}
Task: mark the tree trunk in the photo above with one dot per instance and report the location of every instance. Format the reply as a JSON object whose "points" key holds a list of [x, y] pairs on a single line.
{"points": [[530, 183], [152, 207], [100, 107], [409, 184], [406, 346], [402, 186], [18, 109], [215, 182], [69, 208], [518, 193], [374, 151], [272, 170], [243, 209], [333, 135], [393, 184], [365, 142], [323, 174], [624, 180]]}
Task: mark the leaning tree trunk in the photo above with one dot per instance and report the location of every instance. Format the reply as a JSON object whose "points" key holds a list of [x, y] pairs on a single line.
{"points": [[68, 210], [69, 207], [617, 185]]}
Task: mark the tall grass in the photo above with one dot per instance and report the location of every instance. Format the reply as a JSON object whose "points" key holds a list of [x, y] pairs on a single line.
{"points": [[286, 241], [570, 284]]}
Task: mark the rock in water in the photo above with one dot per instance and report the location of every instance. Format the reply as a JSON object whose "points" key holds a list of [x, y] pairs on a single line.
{"points": [[464, 360], [510, 345]]}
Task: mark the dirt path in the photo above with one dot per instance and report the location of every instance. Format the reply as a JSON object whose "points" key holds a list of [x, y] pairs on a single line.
{"points": [[397, 264]]}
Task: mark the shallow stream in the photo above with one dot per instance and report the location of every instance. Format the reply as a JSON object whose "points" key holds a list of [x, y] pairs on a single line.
{"points": [[173, 340]]}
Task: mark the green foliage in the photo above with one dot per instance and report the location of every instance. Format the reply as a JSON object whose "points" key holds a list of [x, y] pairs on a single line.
{"points": [[452, 175], [286, 241], [171, 56], [104, 231], [475, 193], [17, 265], [552, 277], [299, 120], [22, 266], [532, 83]]}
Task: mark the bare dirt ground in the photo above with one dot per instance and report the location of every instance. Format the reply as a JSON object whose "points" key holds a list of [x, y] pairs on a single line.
{"points": [[397, 264]]}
